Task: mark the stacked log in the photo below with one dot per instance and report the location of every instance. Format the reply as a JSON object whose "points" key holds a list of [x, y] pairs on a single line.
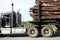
{"points": [[50, 9]]}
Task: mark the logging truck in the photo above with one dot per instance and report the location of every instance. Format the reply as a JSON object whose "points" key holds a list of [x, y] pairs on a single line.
{"points": [[43, 13]]}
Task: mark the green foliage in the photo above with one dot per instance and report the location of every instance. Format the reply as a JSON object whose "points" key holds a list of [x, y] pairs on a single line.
{"points": [[27, 23]]}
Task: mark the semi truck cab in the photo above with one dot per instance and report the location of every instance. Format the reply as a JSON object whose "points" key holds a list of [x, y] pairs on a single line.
{"points": [[6, 23]]}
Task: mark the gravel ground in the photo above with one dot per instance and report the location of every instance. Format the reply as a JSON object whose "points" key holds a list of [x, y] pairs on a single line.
{"points": [[28, 38], [24, 37]]}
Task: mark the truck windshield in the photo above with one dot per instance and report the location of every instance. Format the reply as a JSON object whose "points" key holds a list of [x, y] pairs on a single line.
{"points": [[5, 21]]}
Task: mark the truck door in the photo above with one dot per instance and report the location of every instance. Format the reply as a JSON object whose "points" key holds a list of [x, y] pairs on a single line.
{"points": [[17, 27], [5, 29]]}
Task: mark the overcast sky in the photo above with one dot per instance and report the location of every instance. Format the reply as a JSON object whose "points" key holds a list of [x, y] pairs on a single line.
{"points": [[22, 5]]}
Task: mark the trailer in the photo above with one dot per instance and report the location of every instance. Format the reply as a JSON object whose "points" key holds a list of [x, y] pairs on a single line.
{"points": [[45, 13]]}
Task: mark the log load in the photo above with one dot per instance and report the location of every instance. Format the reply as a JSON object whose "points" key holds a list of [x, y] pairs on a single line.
{"points": [[50, 9], [46, 1]]}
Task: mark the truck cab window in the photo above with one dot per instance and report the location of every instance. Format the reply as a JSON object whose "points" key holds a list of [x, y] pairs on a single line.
{"points": [[5, 21]]}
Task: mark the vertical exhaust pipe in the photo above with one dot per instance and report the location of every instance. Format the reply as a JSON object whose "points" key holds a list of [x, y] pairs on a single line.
{"points": [[11, 19]]}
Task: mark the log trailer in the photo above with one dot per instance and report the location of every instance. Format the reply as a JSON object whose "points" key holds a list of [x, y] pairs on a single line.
{"points": [[43, 13]]}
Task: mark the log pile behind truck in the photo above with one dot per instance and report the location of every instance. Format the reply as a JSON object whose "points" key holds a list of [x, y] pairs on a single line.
{"points": [[50, 9]]}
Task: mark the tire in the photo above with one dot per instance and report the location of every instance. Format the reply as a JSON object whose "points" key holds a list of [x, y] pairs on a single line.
{"points": [[33, 32], [47, 32]]}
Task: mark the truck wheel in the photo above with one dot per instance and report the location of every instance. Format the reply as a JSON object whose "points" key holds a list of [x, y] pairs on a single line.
{"points": [[47, 31], [33, 32]]}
